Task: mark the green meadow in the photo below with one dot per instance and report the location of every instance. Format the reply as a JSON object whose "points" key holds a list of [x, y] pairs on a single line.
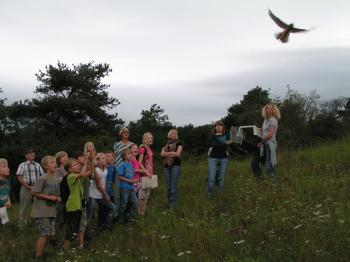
{"points": [[302, 216]]}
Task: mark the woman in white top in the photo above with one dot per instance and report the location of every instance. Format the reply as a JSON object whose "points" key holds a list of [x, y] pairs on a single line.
{"points": [[268, 144]]}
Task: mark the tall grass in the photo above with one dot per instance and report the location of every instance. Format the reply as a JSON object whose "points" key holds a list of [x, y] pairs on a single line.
{"points": [[303, 216]]}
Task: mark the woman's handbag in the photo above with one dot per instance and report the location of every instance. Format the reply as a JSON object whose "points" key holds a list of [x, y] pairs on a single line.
{"points": [[149, 182]]}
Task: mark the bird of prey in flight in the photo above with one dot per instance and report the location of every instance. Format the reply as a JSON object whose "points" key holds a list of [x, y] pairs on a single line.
{"points": [[288, 28]]}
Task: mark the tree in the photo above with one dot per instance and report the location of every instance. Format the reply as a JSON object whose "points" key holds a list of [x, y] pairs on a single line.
{"points": [[153, 120], [74, 98], [248, 110]]}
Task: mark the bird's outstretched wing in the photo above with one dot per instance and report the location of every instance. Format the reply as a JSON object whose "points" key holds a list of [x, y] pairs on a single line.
{"points": [[278, 21], [299, 30]]}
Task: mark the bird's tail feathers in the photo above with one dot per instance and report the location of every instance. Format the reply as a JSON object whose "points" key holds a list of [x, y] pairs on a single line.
{"points": [[283, 37]]}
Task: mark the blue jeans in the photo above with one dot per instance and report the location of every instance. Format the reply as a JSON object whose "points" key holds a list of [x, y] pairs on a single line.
{"points": [[271, 170], [127, 199], [217, 170], [90, 208], [172, 175]]}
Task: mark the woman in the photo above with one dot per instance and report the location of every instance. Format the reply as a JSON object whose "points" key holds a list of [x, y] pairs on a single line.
{"points": [[218, 157], [268, 144], [172, 165]]}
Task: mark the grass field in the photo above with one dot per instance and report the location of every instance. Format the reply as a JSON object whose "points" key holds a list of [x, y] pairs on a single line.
{"points": [[303, 216]]}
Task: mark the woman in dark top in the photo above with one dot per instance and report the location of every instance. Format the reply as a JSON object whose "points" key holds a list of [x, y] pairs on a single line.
{"points": [[172, 165], [218, 157]]}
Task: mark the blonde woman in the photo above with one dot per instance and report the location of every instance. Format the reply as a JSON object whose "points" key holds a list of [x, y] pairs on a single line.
{"points": [[146, 163], [268, 144], [171, 153]]}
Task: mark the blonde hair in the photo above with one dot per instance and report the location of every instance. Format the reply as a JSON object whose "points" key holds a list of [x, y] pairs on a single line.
{"points": [[144, 137], [59, 156], [99, 155], [69, 163], [276, 112], [45, 160], [133, 144], [86, 146], [3, 161], [172, 131], [124, 152], [123, 130]]}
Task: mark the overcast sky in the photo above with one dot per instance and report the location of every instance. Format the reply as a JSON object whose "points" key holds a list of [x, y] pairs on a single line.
{"points": [[194, 58]]}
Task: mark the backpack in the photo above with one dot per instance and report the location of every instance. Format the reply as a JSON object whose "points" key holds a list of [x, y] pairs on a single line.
{"points": [[64, 189]]}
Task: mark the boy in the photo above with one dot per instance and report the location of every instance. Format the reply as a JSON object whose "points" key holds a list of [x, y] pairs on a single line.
{"points": [[110, 179], [75, 205], [127, 194], [46, 191], [5, 201], [28, 173]]}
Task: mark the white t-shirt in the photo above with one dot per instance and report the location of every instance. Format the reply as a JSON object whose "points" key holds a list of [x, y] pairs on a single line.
{"points": [[93, 190]]}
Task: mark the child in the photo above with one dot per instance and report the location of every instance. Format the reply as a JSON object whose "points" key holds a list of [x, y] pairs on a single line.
{"points": [[75, 205], [97, 192], [86, 171], [61, 159], [146, 163], [90, 150], [127, 194], [110, 179], [46, 191], [138, 171], [5, 201]]}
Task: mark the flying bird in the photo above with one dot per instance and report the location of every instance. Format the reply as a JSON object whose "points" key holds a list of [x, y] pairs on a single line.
{"points": [[288, 28]]}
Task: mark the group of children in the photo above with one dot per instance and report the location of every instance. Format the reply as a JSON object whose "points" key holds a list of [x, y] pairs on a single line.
{"points": [[66, 191]]}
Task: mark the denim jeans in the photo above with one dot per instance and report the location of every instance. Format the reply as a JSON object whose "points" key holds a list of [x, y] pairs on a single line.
{"points": [[90, 208], [172, 175], [271, 170], [217, 170], [127, 199]]}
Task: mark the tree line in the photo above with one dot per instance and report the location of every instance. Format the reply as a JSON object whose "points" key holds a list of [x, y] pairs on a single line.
{"points": [[72, 106]]}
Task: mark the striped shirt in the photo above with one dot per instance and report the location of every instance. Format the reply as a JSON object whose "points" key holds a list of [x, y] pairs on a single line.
{"points": [[118, 148], [31, 171]]}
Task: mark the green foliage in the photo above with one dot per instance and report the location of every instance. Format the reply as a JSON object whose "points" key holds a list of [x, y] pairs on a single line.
{"points": [[153, 120], [303, 216], [196, 138], [248, 110]]}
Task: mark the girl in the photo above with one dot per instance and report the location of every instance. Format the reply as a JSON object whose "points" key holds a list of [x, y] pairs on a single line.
{"points": [[146, 163], [89, 149], [61, 159], [268, 144], [218, 157], [138, 170], [172, 165], [97, 192]]}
